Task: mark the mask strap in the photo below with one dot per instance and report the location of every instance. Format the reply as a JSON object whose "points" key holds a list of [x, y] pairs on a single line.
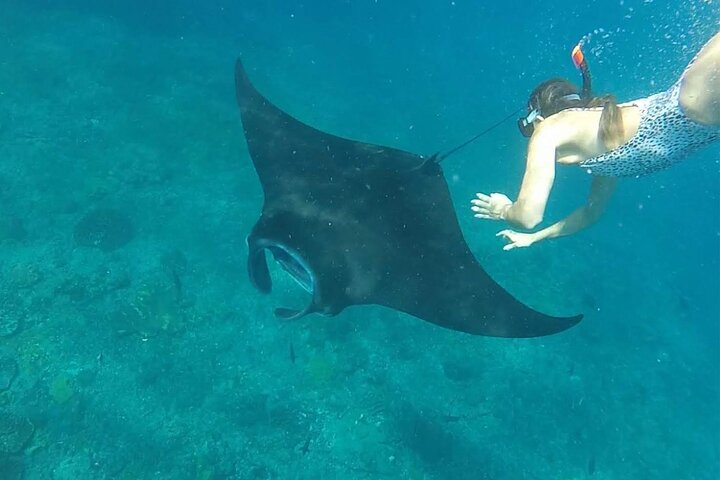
{"points": [[532, 116], [571, 96]]}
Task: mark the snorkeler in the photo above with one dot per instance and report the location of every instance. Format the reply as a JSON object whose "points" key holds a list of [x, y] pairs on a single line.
{"points": [[571, 127]]}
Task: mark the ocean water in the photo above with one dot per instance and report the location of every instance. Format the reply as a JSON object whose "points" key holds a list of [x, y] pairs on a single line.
{"points": [[132, 345]]}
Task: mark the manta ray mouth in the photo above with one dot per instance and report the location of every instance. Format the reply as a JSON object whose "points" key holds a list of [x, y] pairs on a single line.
{"points": [[294, 265]]}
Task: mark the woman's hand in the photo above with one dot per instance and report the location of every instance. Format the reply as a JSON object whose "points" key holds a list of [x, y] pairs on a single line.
{"points": [[492, 207], [517, 239]]}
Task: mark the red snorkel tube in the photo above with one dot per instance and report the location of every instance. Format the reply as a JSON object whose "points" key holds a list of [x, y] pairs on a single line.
{"points": [[578, 58]]}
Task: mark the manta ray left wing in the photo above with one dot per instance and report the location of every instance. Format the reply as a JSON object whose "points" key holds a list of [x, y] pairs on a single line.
{"points": [[357, 223]]}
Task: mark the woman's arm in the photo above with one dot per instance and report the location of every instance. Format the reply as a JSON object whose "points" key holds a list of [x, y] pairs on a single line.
{"points": [[700, 87], [601, 190], [528, 210]]}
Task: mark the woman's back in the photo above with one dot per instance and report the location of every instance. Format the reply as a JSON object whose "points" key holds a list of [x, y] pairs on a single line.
{"points": [[577, 134]]}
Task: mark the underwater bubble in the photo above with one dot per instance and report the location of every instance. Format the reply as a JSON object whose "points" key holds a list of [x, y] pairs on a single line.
{"points": [[104, 228], [15, 431]]}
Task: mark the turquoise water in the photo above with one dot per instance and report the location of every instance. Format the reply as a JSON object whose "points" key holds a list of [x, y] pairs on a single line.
{"points": [[145, 353]]}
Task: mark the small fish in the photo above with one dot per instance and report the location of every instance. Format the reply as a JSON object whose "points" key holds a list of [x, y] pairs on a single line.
{"points": [[591, 466], [292, 353], [177, 284], [306, 447]]}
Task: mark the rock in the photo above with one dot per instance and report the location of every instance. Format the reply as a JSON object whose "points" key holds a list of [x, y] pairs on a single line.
{"points": [[8, 371], [12, 228], [15, 431], [9, 323], [104, 228], [152, 310], [24, 275], [73, 467], [62, 388], [459, 371], [11, 468]]}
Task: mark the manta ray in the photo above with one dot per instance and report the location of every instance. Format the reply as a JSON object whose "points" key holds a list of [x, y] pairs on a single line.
{"points": [[358, 224]]}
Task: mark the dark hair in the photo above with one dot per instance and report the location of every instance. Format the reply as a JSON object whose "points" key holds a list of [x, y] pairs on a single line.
{"points": [[611, 121], [550, 97]]}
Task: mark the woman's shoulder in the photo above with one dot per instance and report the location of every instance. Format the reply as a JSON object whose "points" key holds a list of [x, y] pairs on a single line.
{"points": [[572, 118], [573, 126], [599, 108], [590, 114]]}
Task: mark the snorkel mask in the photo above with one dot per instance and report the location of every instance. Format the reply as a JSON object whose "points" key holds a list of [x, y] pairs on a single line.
{"points": [[525, 124]]}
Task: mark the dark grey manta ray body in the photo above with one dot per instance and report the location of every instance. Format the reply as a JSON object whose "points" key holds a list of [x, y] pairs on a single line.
{"points": [[356, 224]]}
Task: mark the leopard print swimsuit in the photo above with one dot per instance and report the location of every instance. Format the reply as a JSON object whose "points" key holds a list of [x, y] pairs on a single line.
{"points": [[664, 137]]}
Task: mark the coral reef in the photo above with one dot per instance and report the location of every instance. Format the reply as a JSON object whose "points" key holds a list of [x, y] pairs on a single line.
{"points": [[11, 467], [9, 321], [8, 370], [62, 388], [24, 275], [12, 229], [15, 432], [152, 310], [104, 228]]}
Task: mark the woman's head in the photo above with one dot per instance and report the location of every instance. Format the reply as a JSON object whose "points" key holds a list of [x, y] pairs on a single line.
{"points": [[554, 95], [548, 98], [557, 94]]}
